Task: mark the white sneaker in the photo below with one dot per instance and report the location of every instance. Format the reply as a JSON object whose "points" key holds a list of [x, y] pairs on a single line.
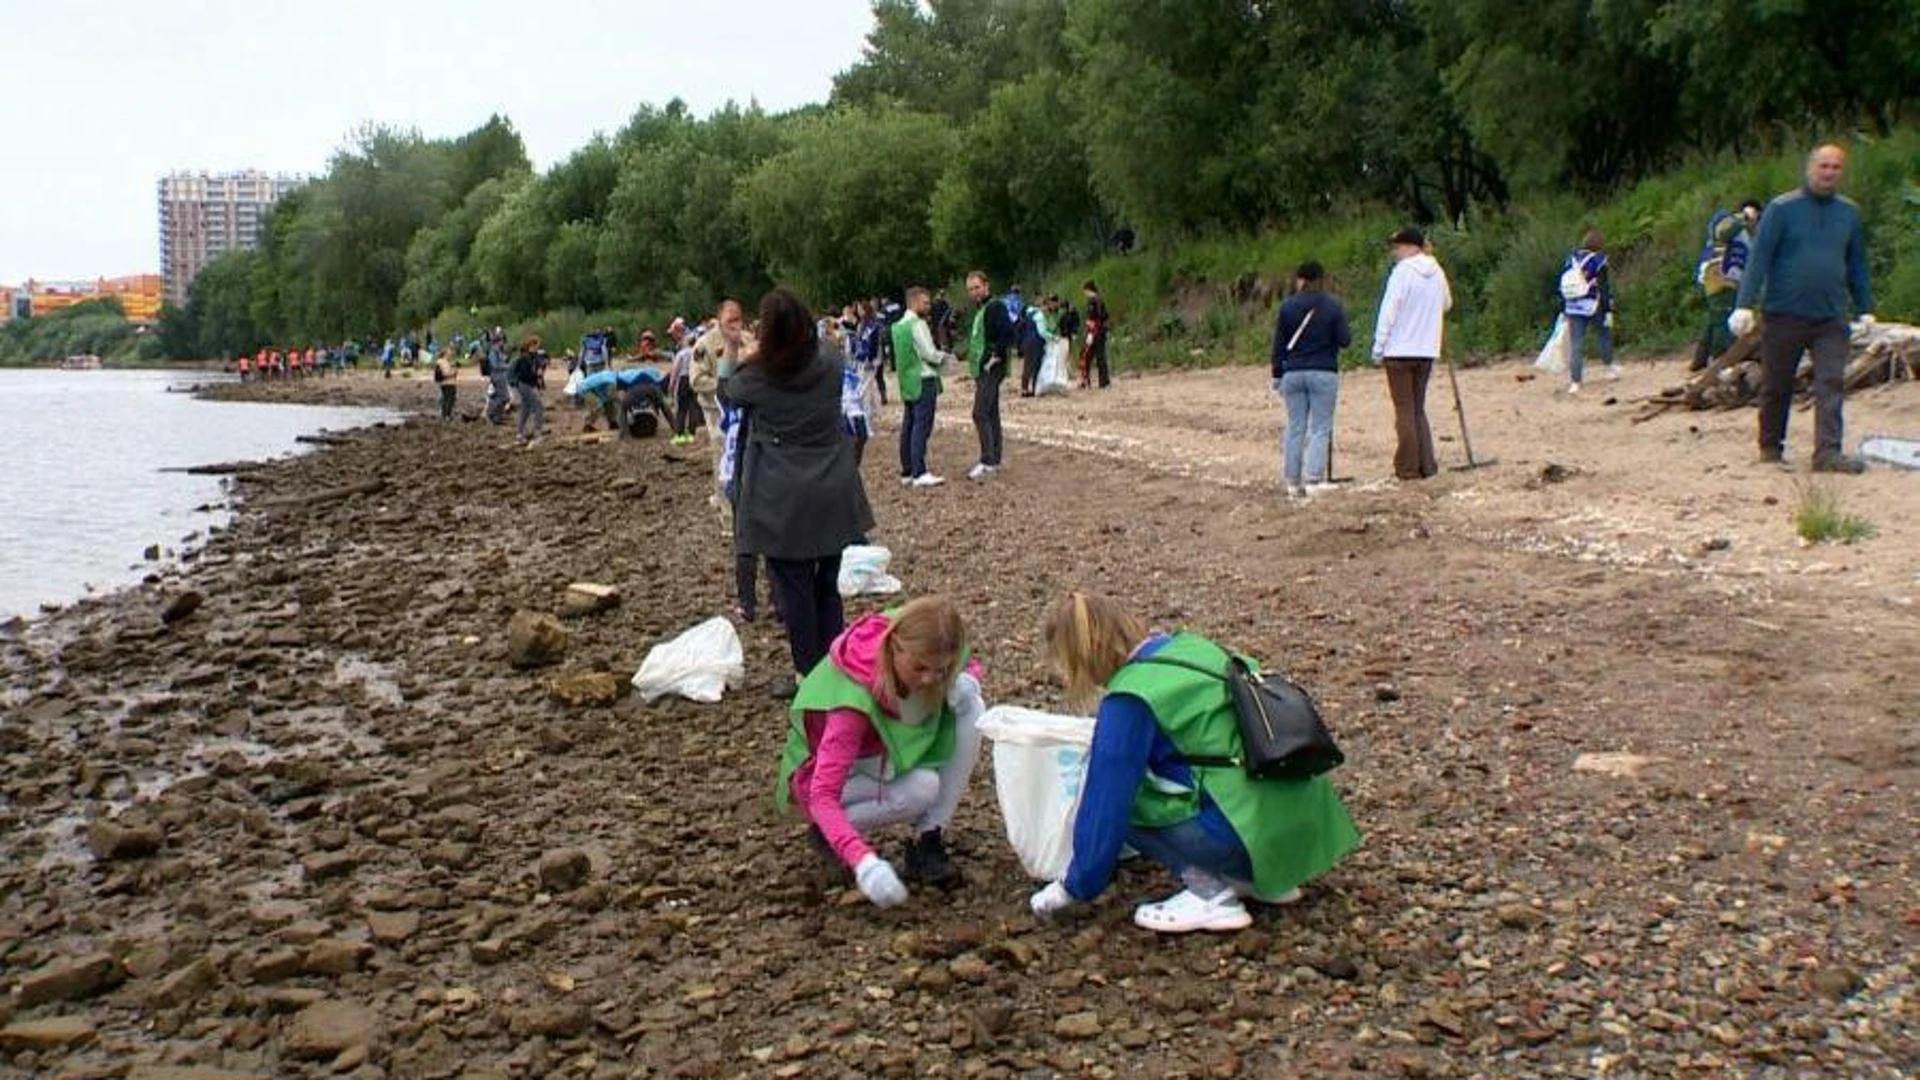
{"points": [[980, 472], [927, 479], [906, 481], [1573, 388], [1296, 491], [1322, 487], [1187, 911], [1613, 372]]}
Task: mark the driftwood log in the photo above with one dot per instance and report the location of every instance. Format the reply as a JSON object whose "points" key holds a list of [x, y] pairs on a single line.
{"points": [[1885, 352], [319, 498]]}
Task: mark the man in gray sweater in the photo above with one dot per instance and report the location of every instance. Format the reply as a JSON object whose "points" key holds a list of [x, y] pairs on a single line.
{"points": [[1810, 256]]}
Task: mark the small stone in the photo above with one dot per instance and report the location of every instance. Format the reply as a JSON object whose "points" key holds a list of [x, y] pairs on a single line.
{"points": [[583, 689], [276, 965], [564, 870], [1338, 967], [333, 956], [1518, 916], [1080, 1025], [111, 839], [329, 865], [490, 951], [392, 927], [1838, 982], [188, 1072], [535, 639], [326, 1028], [560, 1020], [935, 978], [971, 969], [1621, 830], [181, 606], [70, 980], [183, 986], [586, 598], [50, 1033], [1385, 692]]}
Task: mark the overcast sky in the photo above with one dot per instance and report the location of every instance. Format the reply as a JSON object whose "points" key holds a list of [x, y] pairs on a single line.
{"points": [[98, 100]]}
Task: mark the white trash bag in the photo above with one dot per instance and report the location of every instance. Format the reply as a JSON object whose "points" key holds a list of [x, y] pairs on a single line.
{"points": [[863, 571], [699, 665], [1039, 764], [1053, 377], [1559, 350]]}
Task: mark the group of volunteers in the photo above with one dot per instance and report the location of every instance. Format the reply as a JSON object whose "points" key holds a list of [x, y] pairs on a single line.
{"points": [[883, 714], [289, 363], [1799, 261]]}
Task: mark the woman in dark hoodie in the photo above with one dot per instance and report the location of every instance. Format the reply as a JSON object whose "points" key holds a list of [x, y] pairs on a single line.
{"points": [[800, 497]]}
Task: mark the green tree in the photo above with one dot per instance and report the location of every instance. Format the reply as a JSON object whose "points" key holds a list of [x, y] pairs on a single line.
{"points": [[948, 56], [219, 309], [837, 224], [439, 273], [1015, 189], [509, 256]]}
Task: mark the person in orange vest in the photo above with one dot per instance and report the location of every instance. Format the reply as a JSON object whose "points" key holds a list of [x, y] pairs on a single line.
{"points": [[260, 363], [309, 360], [241, 366]]}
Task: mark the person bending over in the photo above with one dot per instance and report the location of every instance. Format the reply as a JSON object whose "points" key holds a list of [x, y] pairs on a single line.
{"points": [[884, 731], [1225, 835]]}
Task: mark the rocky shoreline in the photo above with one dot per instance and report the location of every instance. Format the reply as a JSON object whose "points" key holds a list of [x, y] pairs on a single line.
{"points": [[291, 809]]}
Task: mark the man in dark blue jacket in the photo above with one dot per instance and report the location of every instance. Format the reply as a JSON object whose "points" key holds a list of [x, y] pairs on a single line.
{"points": [[1307, 339], [990, 342], [1810, 256]]}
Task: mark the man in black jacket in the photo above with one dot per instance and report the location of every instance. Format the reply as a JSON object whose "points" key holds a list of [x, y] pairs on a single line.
{"points": [[1094, 354], [989, 345]]}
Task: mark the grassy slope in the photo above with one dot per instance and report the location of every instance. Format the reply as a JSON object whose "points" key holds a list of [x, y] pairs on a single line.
{"points": [[1180, 305]]}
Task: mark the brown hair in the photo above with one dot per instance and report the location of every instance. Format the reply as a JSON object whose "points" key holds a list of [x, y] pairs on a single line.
{"points": [[1088, 637], [788, 337], [1592, 240], [531, 344], [927, 629]]}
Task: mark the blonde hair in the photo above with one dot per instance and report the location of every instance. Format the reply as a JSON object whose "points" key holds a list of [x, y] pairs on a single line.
{"points": [[1088, 638], [927, 629]]}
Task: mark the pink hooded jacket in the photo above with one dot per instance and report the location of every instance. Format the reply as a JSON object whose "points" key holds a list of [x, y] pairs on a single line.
{"points": [[840, 738]]}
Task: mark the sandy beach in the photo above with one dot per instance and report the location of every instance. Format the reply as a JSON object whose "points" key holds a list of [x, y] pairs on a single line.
{"points": [[287, 809]]}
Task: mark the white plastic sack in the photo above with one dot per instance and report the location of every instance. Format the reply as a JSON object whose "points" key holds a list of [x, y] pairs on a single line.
{"points": [[698, 665], [1039, 764], [1559, 351], [1053, 377], [573, 383], [863, 571]]}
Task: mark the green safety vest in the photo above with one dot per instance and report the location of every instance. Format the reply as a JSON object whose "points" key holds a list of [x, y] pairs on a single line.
{"points": [[977, 338], [1293, 830], [826, 688], [906, 361]]}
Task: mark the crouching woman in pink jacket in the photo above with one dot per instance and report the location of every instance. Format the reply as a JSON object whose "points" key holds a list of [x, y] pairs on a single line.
{"points": [[884, 731]]}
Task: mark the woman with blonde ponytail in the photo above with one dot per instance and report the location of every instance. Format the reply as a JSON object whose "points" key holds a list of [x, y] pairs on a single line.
{"points": [[1157, 779]]}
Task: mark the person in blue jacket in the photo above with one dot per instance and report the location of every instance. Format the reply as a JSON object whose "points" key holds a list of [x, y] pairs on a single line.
{"points": [[1307, 338], [1808, 261]]}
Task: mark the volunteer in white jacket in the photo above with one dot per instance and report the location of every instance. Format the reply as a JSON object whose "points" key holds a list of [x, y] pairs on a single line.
{"points": [[1406, 340]]}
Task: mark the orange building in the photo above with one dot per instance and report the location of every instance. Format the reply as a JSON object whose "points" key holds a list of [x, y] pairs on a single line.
{"points": [[139, 295]]}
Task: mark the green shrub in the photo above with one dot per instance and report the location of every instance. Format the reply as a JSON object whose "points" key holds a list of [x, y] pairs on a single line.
{"points": [[1818, 518]]}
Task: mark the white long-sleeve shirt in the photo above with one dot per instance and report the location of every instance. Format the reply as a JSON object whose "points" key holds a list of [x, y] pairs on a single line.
{"points": [[931, 358], [1413, 311]]}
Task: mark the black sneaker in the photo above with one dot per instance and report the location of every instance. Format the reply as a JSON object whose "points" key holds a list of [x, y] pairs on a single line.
{"points": [[1772, 456], [927, 860], [1839, 463]]}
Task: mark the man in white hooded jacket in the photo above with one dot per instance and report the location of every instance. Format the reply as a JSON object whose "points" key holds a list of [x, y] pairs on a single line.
{"points": [[1406, 340]]}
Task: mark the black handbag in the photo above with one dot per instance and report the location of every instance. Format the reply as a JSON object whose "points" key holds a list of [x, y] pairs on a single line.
{"points": [[1281, 733]]}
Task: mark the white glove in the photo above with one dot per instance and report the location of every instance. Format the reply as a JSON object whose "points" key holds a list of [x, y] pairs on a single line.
{"points": [[878, 882], [1609, 320], [1051, 900], [1865, 321], [1741, 322]]}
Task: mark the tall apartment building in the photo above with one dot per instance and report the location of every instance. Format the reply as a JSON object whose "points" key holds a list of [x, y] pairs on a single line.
{"points": [[205, 215]]}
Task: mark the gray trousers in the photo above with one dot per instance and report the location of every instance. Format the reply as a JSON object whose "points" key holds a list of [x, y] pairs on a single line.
{"points": [[1782, 339]]}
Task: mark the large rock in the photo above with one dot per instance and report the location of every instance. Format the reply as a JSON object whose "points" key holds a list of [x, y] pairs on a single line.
{"points": [[111, 839], [182, 606], [69, 980], [560, 1020], [581, 689], [325, 1028], [334, 956], [535, 639], [50, 1033], [564, 870], [585, 598], [183, 986], [392, 927]]}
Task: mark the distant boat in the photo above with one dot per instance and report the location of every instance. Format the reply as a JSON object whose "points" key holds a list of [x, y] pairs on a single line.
{"points": [[87, 362]]}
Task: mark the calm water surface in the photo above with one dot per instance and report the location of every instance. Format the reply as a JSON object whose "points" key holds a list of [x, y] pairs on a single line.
{"points": [[84, 495]]}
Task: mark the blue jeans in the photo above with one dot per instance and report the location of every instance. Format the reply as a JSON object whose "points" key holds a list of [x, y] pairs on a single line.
{"points": [[1310, 398], [1203, 861], [916, 428], [532, 411], [1577, 336]]}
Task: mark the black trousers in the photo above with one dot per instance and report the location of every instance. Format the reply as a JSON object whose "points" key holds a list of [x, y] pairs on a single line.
{"points": [[808, 595], [1783, 339], [1094, 358], [986, 412], [1031, 353]]}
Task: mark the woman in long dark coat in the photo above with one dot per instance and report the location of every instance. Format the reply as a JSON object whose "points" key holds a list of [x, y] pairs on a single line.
{"points": [[801, 501]]}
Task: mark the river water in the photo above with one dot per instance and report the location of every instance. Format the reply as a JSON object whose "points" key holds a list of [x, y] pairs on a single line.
{"points": [[84, 494]]}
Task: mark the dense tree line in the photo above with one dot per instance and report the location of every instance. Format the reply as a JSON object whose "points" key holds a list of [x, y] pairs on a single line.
{"points": [[1012, 134]]}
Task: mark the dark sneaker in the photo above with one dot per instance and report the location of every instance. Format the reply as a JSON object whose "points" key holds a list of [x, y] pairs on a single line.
{"points": [[1772, 457], [927, 860], [831, 872], [1839, 463]]}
